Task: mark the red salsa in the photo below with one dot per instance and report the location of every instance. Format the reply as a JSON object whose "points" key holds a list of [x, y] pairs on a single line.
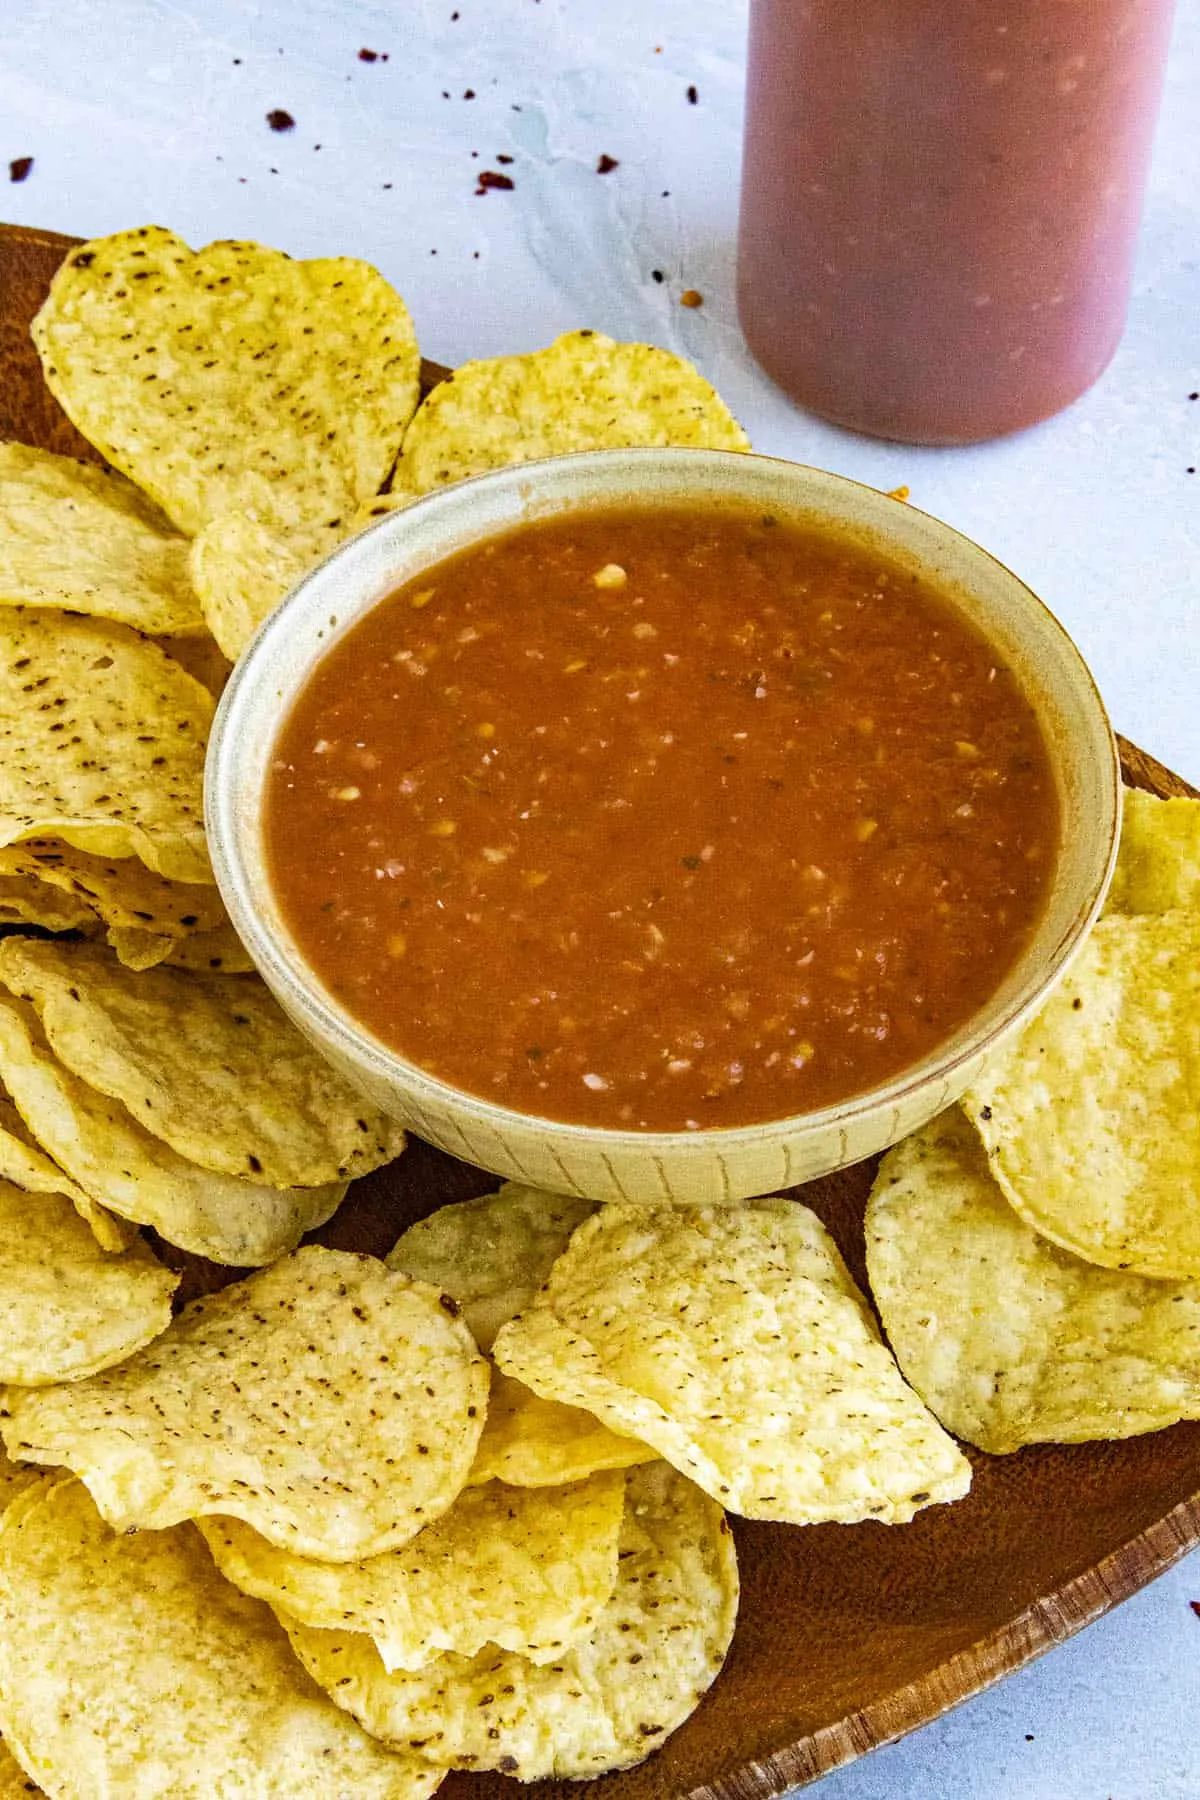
{"points": [[662, 820]]}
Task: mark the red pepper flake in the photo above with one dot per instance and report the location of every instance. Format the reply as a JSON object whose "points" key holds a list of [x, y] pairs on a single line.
{"points": [[19, 168], [606, 165], [279, 120], [468, 93], [1195, 1606], [691, 297], [368, 56], [504, 159], [492, 178], [693, 96]]}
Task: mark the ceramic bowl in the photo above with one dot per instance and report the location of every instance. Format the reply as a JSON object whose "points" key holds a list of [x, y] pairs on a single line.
{"points": [[683, 1167]]}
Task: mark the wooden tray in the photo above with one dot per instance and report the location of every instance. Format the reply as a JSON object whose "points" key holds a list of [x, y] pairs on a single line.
{"points": [[848, 1635]]}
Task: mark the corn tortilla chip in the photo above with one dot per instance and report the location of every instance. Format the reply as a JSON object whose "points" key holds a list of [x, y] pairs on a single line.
{"points": [[527, 1571], [333, 1405], [735, 1343], [532, 1442], [14, 1783], [1091, 1117], [101, 742], [216, 952], [231, 377], [122, 892], [493, 1253], [78, 537], [129, 1667], [114, 1167], [24, 900], [242, 564], [582, 392], [209, 1063], [1009, 1339], [24, 1162], [605, 1703], [68, 1308], [1158, 865]]}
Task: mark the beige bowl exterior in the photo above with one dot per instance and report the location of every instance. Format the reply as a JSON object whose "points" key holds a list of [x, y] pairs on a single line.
{"points": [[684, 1168]]}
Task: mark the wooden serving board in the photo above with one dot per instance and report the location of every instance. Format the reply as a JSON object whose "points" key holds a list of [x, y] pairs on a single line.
{"points": [[848, 1635]]}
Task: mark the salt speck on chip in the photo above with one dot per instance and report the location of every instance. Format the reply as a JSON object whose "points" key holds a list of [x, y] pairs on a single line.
{"points": [[734, 1341], [333, 1405], [129, 1667], [605, 1703]]}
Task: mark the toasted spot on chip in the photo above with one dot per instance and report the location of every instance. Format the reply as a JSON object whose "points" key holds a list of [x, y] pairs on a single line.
{"points": [[492, 1253], [735, 1343], [129, 1667], [122, 892], [331, 1404], [1158, 864], [528, 1571], [232, 377], [209, 1063], [243, 564], [102, 742], [532, 1442], [605, 1703], [115, 1167], [1091, 1116], [81, 538], [24, 1162], [582, 392], [1009, 1339], [67, 1307]]}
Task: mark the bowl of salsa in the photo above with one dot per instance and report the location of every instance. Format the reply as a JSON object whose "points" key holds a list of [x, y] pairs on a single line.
{"points": [[662, 823]]}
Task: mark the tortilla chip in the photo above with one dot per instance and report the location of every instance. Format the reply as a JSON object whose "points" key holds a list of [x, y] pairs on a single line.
{"points": [[67, 1307], [26, 1165], [1158, 865], [1091, 1116], [493, 1253], [75, 536], [606, 1703], [735, 1343], [583, 392], [531, 1442], [529, 1572], [24, 900], [232, 377], [123, 892], [213, 952], [1009, 1339], [209, 1063], [113, 1166], [129, 1667], [243, 564], [101, 742], [202, 657], [14, 1783], [331, 1404]]}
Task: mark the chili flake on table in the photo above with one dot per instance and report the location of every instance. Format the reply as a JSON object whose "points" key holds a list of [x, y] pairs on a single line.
{"points": [[662, 819]]}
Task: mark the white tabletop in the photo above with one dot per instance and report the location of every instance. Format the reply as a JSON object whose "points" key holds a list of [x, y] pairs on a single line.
{"points": [[138, 110]]}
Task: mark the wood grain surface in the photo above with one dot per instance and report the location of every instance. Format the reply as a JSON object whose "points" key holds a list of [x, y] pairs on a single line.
{"points": [[848, 1635]]}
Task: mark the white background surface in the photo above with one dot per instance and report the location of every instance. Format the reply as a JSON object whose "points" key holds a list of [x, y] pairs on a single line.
{"points": [[140, 110]]}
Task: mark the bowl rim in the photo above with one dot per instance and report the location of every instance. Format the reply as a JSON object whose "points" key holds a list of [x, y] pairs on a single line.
{"points": [[228, 829]]}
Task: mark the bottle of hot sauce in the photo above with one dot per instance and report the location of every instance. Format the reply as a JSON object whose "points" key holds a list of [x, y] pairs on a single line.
{"points": [[940, 203]]}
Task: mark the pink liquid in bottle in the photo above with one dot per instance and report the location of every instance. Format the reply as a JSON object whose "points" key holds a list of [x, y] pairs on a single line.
{"points": [[940, 203]]}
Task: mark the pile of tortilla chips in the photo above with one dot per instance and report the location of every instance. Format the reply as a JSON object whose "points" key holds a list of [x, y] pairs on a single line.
{"points": [[349, 1523]]}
